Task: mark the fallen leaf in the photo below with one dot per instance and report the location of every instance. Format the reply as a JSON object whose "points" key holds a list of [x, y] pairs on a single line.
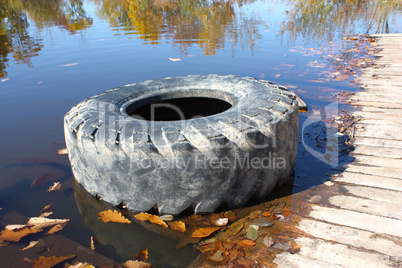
{"points": [[3, 243], [374, 44], [218, 256], [136, 264], [80, 265], [246, 243], [56, 228], [113, 216], [234, 228], [178, 226], [15, 236], [40, 180], [48, 262], [166, 217], [142, 255], [207, 247], [286, 212], [69, 64], [62, 151], [45, 214], [41, 222], [31, 245], [92, 243], [4, 80], [175, 59], [204, 232], [152, 218], [47, 208], [56, 186], [15, 227], [268, 241]]}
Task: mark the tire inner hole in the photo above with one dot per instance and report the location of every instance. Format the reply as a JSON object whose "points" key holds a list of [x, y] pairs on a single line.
{"points": [[185, 108]]}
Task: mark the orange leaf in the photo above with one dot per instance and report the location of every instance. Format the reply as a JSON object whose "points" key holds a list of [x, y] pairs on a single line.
{"points": [[178, 226], [152, 218], [113, 216], [142, 255], [246, 243], [204, 232], [48, 262], [207, 247], [15, 236], [286, 212]]}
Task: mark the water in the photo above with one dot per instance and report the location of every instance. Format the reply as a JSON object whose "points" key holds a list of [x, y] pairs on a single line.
{"points": [[53, 54]]}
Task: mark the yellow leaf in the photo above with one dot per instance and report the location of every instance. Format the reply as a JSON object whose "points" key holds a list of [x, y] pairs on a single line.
{"points": [[152, 218], [142, 255], [47, 262], [204, 232], [113, 216], [178, 226]]}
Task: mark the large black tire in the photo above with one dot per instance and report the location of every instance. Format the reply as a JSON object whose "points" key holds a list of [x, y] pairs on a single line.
{"points": [[229, 156]]}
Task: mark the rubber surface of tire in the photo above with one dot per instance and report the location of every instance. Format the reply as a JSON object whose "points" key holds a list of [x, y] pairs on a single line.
{"points": [[231, 156]]}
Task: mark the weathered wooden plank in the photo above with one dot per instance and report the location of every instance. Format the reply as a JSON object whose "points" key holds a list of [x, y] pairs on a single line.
{"points": [[382, 195], [389, 152], [289, 260], [384, 209], [379, 134], [379, 161], [393, 172], [350, 236], [370, 180], [340, 254], [385, 105], [363, 221], [369, 141]]}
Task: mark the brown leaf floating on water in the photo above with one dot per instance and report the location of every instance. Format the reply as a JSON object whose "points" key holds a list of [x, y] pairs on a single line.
{"points": [[152, 218], [204, 232], [48, 262], [16, 235], [112, 216], [56, 186], [41, 180], [56, 228], [41, 222]]}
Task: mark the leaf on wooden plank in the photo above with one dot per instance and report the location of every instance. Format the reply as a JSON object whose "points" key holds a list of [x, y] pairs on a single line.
{"points": [[56, 186], [41, 180], [48, 262], [136, 264], [142, 255], [56, 228], [15, 236], [204, 232], [112, 216], [62, 151], [178, 226], [41, 222], [246, 243], [152, 218]]}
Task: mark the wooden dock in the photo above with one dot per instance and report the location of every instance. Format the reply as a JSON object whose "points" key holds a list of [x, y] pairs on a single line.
{"points": [[359, 221]]}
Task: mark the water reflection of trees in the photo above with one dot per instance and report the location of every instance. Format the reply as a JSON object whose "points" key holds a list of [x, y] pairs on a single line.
{"points": [[15, 38], [323, 19], [184, 22]]}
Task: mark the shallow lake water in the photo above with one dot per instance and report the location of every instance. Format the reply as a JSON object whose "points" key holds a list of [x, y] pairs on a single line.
{"points": [[54, 54]]}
